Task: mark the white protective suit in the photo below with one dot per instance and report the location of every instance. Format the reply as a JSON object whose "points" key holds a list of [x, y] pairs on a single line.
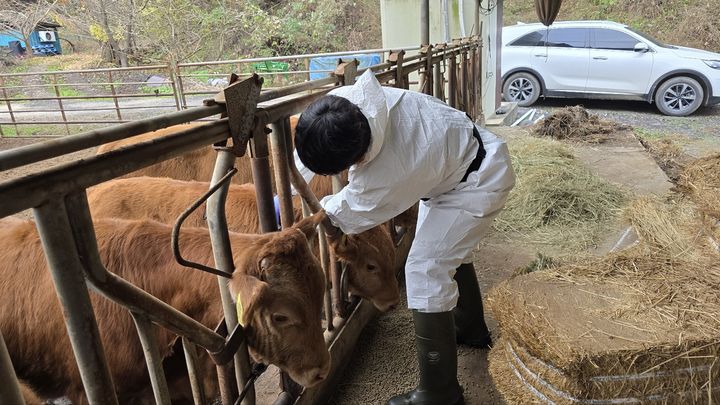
{"points": [[421, 148]]}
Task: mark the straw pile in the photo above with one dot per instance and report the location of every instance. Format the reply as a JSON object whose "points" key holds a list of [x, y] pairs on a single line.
{"points": [[637, 326], [667, 154], [575, 123], [556, 200], [701, 181]]}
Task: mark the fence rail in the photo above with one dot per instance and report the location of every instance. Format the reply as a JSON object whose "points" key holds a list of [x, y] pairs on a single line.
{"points": [[59, 202], [57, 103]]}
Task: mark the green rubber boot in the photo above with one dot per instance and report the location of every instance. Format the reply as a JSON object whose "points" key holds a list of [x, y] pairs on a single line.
{"points": [[470, 324], [437, 357]]}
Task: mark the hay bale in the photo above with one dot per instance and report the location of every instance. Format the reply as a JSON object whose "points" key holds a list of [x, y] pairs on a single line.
{"points": [[701, 181], [642, 324], [575, 123], [556, 200]]}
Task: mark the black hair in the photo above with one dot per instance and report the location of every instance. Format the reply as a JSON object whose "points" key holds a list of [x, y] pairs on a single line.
{"points": [[332, 135]]}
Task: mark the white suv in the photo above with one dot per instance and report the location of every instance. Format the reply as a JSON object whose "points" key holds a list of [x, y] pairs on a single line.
{"points": [[604, 59]]}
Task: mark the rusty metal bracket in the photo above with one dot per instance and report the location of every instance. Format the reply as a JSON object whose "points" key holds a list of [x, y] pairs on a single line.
{"points": [[181, 219], [396, 58], [346, 71], [232, 343], [240, 99]]}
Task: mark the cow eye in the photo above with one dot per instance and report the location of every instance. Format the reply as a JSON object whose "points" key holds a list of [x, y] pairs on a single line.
{"points": [[280, 318], [372, 268]]}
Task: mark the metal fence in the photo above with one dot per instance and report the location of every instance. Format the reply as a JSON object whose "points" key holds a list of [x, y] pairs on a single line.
{"points": [[60, 207], [56, 103]]}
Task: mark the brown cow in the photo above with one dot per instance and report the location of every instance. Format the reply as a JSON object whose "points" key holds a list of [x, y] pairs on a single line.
{"points": [[370, 256], [199, 164], [277, 279]]}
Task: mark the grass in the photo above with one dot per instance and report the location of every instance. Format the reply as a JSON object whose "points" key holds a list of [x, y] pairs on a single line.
{"points": [[164, 89], [10, 131]]}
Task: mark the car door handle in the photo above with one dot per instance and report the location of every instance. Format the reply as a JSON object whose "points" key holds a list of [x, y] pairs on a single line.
{"points": [[600, 57], [541, 55]]}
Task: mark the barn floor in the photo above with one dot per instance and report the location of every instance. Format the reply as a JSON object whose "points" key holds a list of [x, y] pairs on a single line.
{"points": [[384, 362]]}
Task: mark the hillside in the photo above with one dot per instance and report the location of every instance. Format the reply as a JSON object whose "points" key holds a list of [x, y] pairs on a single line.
{"points": [[680, 22]]}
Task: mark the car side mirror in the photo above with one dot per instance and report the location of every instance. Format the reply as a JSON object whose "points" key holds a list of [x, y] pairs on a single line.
{"points": [[642, 47]]}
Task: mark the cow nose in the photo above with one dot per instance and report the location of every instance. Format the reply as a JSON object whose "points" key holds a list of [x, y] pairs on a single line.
{"points": [[392, 307], [319, 374]]}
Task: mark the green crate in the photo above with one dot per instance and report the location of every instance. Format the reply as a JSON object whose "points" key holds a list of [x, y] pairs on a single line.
{"points": [[270, 66]]}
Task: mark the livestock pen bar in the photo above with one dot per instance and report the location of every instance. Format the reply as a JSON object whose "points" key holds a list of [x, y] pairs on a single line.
{"points": [[60, 207]]}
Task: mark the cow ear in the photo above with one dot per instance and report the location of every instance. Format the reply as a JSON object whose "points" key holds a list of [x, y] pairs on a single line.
{"points": [[247, 292], [307, 225], [344, 247]]}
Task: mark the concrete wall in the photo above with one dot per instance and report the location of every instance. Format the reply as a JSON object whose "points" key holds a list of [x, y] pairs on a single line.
{"points": [[401, 27]]}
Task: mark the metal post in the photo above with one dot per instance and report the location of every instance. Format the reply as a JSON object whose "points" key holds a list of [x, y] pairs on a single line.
{"points": [[452, 81], [194, 372], [463, 81], [228, 394], [427, 86], [153, 360], [481, 107], [180, 87], [473, 85], [222, 253], [9, 106], [425, 22], [173, 79], [397, 58], [114, 94], [282, 175], [438, 83], [261, 178], [60, 103], [66, 270], [10, 394]]}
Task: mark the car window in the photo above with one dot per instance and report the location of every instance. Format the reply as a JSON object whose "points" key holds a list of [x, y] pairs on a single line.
{"points": [[567, 38], [614, 40], [534, 38]]}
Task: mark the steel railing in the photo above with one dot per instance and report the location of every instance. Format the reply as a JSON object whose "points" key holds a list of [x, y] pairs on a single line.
{"points": [[68, 101]]}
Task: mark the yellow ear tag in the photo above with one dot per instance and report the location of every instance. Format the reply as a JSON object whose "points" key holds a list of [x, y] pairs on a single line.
{"points": [[239, 310]]}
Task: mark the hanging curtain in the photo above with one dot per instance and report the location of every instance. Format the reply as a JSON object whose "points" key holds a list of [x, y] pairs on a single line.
{"points": [[547, 10]]}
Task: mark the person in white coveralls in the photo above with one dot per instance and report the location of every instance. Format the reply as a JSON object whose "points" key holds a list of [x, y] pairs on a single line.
{"points": [[402, 147]]}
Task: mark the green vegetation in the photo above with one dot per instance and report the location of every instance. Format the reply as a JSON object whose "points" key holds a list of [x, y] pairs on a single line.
{"points": [[159, 90], [10, 131]]}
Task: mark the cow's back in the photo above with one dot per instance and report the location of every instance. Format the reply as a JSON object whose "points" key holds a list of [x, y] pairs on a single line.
{"points": [[199, 164]]}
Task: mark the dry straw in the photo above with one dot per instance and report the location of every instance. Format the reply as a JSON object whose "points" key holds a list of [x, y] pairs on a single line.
{"points": [[556, 200], [575, 123], [646, 312], [701, 180]]}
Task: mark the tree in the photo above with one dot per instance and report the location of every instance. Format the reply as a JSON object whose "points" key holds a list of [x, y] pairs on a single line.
{"points": [[20, 18]]}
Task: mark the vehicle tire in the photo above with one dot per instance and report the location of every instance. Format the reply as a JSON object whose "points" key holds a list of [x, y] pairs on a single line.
{"points": [[522, 88], [679, 96]]}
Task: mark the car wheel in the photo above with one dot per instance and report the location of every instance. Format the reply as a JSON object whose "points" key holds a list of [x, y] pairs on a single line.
{"points": [[522, 88], [679, 96]]}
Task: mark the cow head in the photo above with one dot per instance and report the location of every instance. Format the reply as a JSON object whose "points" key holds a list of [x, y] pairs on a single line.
{"points": [[278, 290], [370, 260]]}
